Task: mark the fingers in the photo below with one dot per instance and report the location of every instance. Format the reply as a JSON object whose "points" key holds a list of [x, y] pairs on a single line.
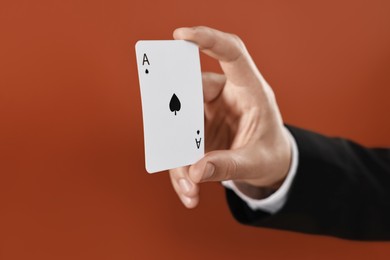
{"points": [[227, 48], [213, 84], [219, 45], [186, 189], [240, 164], [217, 166]]}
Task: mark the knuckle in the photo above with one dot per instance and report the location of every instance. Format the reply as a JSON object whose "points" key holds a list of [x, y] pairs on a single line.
{"points": [[238, 41], [238, 46], [235, 37], [231, 169], [192, 192], [199, 27], [199, 30]]}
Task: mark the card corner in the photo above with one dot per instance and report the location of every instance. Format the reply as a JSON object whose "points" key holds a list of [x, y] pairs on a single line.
{"points": [[138, 43], [149, 170]]}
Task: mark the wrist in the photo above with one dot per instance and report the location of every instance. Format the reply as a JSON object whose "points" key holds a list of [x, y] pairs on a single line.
{"points": [[278, 153], [274, 157], [252, 191], [280, 161]]}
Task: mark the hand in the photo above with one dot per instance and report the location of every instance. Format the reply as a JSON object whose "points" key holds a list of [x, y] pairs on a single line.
{"points": [[246, 140]]}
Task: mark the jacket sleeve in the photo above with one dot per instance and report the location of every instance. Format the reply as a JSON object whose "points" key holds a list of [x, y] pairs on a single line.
{"points": [[340, 189]]}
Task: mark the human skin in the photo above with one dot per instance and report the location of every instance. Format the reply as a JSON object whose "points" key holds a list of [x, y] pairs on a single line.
{"points": [[246, 140]]}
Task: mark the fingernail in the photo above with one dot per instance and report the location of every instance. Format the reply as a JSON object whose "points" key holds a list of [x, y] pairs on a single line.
{"points": [[185, 185], [186, 200], [208, 171]]}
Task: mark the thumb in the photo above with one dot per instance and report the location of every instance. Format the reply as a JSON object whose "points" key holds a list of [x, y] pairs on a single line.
{"points": [[217, 166]]}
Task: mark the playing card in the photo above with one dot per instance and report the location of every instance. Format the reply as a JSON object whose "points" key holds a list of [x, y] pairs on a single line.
{"points": [[172, 103]]}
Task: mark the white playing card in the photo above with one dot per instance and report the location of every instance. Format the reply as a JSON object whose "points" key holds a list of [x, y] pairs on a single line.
{"points": [[172, 103]]}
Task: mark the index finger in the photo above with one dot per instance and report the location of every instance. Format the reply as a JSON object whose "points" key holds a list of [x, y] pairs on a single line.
{"points": [[225, 47]]}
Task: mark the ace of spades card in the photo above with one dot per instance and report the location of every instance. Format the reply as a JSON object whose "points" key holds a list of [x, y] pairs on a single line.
{"points": [[172, 103]]}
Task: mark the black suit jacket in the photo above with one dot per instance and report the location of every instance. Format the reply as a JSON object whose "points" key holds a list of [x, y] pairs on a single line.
{"points": [[340, 189]]}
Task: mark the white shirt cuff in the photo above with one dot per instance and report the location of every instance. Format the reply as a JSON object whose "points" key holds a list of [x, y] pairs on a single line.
{"points": [[276, 200]]}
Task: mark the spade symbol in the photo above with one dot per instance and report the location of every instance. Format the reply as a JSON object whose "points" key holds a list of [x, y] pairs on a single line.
{"points": [[147, 71], [196, 140], [174, 104]]}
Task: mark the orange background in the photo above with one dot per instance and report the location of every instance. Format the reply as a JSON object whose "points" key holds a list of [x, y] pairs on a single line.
{"points": [[72, 178]]}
